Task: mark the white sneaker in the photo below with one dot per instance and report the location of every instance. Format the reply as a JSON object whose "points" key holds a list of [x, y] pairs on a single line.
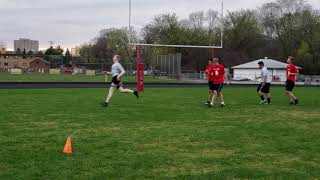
{"points": [[264, 102]]}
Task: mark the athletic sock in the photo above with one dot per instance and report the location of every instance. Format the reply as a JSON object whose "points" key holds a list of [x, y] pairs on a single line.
{"points": [[262, 97], [269, 100]]}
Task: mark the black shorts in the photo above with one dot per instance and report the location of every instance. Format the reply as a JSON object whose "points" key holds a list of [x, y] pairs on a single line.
{"points": [[265, 88], [116, 83], [289, 85], [210, 84], [216, 87]]}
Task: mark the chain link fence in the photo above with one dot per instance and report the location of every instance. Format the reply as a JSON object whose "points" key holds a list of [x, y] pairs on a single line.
{"points": [[167, 66], [162, 67], [100, 68]]}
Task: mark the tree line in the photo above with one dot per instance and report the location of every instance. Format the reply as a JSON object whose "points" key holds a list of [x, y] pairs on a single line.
{"points": [[275, 30], [56, 56]]}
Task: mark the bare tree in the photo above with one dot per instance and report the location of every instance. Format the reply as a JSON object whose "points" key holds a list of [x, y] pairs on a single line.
{"points": [[197, 20], [211, 17]]}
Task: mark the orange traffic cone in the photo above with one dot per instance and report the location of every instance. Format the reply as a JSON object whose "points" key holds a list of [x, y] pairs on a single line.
{"points": [[68, 147]]}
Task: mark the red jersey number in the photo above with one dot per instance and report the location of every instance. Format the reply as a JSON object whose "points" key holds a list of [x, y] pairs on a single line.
{"points": [[217, 74]]}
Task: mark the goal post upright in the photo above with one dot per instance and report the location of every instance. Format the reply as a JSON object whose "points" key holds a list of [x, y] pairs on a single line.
{"points": [[129, 28], [140, 65], [213, 53], [140, 69]]}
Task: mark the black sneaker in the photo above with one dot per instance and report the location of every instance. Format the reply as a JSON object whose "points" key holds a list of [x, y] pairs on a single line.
{"points": [[136, 94], [291, 103], [210, 105], [207, 103], [222, 105], [104, 104], [296, 102]]}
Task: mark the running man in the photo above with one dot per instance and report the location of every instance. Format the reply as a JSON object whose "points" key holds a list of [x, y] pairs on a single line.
{"points": [[292, 72], [264, 86], [117, 72], [218, 75], [208, 69]]}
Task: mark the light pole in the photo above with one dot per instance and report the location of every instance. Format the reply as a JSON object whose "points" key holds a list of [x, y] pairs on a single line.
{"points": [[222, 23]]}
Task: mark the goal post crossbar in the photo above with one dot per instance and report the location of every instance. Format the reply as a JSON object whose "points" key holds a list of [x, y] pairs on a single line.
{"points": [[175, 46]]}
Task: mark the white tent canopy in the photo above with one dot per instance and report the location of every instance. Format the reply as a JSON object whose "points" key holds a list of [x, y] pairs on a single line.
{"points": [[269, 63], [251, 70]]}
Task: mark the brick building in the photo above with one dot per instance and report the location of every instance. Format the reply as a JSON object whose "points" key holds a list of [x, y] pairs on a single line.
{"points": [[29, 64]]}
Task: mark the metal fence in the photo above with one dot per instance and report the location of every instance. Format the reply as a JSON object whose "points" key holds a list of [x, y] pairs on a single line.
{"points": [[311, 80], [308, 80], [102, 67], [167, 66]]}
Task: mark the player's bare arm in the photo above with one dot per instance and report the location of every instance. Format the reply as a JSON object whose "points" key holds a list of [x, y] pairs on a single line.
{"points": [[121, 74]]}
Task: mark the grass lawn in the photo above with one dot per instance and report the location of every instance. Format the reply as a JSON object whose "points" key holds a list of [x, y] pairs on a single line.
{"points": [[6, 77], [168, 133]]}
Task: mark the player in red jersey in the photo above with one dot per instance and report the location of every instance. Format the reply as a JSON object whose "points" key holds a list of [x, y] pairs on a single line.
{"points": [[218, 76], [209, 78], [292, 72], [222, 79]]}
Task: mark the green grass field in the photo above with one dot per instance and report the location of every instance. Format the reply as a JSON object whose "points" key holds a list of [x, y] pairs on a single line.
{"points": [[166, 134], [6, 77]]}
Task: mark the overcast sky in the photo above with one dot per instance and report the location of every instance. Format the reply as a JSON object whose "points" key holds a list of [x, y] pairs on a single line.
{"points": [[73, 22]]}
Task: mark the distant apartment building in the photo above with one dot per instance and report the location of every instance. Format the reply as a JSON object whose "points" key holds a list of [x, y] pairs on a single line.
{"points": [[3, 50], [75, 51], [2, 47], [26, 44]]}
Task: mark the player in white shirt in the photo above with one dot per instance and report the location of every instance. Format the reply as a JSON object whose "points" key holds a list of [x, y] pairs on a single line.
{"points": [[264, 86], [117, 72]]}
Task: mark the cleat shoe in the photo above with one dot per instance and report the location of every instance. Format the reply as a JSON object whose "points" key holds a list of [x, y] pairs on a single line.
{"points": [[291, 103], [296, 102], [104, 104], [207, 103], [222, 105], [263, 102], [136, 94], [210, 105]]}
